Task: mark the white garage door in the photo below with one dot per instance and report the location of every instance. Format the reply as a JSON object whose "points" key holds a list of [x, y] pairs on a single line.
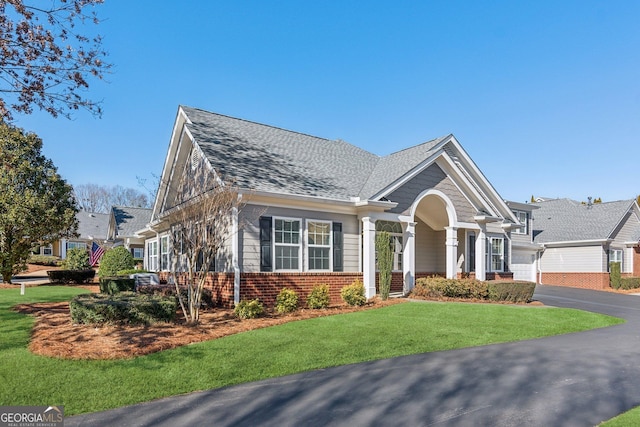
{"points": [[523, 266]]}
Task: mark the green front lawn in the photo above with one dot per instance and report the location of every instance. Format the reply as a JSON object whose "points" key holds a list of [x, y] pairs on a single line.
{"points": [[397, 330], [629, 418]]}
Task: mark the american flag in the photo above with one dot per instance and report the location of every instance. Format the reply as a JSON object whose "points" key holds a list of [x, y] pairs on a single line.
{"points": [[96, 253]]}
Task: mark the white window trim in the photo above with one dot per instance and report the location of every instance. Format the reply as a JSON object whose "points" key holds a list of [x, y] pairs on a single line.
{"points": [[44, 247], [275, 244], [490, 254], [525, 230], [72, 245], [152, 259], [161, 254], [133, 252], [309, 245], [621, 260]]}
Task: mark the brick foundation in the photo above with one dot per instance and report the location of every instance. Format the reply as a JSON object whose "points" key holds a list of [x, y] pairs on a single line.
{"points": [[577, 280]]}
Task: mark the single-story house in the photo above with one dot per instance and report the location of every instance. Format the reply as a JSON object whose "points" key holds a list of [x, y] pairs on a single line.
{"points": [[124, 221], [576, 241], [91, 227], [314, 206]]}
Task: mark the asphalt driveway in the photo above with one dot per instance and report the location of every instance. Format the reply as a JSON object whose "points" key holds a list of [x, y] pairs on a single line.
{"points": [[571, 380]]}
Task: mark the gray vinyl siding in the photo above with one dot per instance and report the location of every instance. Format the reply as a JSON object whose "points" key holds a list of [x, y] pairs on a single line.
{"points": [[249, 236], [627, 230], [432, 178], [577, 259]]}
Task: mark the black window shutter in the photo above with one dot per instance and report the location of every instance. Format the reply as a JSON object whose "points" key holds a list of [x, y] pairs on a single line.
{"points": [[265, 244], [338, 245]]}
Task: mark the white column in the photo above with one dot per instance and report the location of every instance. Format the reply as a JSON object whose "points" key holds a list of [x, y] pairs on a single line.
{"points": [[481, 253], [409, 256], [369, 256], [63, 248], [452, 252]]}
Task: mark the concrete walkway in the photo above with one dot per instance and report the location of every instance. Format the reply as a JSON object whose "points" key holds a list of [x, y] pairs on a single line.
{"points": [[571, 380]]}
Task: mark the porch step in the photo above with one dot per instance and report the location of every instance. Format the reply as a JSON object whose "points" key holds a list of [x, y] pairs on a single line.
{"points": [[396, 295]]}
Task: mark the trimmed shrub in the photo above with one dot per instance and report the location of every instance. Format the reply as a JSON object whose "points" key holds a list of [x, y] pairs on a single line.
{"points": [[629, 282], [116, 284], [77, 259], [125, 307], [71, 276], [129, 271], [439, 287], [114, 260], [511, 291], [286, 301], [206, 300], [319, 297], [50, 260], [248, 309], [354, 294], [614, 275]]}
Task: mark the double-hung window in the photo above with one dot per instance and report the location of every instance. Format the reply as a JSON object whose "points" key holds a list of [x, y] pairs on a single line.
{"points": [[319, 245], [152, 251], [300, 244], [138, 253], [164, 253], [523, 217], [615, 255], [496, 253], [287, 243]]}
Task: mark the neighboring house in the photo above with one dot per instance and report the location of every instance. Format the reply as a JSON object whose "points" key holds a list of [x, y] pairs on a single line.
{"points": [[314, 207], [123, 223], [577, 241], [91, 227]]}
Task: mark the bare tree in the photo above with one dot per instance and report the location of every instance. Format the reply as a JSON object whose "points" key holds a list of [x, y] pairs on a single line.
{"points": [[100, 198], [44, 61], [204, 218]]}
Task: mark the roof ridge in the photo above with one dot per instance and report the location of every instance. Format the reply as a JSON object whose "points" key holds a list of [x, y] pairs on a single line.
{"points": [[270, 126], [440, 138]]}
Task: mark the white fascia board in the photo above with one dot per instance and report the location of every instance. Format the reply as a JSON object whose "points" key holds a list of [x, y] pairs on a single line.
{"points": [[176, 134], [479, 177], [619, 223], [408, 177], [631, 244], [593, 242], [415, 171], [526, 246], [263, 198], [447, 165]]}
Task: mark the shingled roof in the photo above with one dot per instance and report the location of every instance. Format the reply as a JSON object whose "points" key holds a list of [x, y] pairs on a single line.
{"points": [[92, 226], [266, 158], [128, 220], [565, 220]]}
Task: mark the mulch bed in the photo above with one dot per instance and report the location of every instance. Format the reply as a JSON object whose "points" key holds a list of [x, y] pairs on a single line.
{"points": [[55, 335]]}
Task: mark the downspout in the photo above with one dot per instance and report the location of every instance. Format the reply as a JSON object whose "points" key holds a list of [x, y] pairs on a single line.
{"points": [[235, 245]]}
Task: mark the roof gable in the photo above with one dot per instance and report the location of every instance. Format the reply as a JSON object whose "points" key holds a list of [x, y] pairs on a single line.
{"points": [[128, 220], [270, 160]]}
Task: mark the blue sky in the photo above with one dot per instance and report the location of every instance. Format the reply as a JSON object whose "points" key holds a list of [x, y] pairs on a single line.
{"points": [[543, 95]]}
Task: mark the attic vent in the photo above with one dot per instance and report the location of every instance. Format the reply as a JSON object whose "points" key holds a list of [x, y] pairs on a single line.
{"points": [[195, 158]]}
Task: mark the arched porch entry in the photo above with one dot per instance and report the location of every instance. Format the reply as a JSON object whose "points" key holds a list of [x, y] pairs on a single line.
{"points": [[430, 238]]}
